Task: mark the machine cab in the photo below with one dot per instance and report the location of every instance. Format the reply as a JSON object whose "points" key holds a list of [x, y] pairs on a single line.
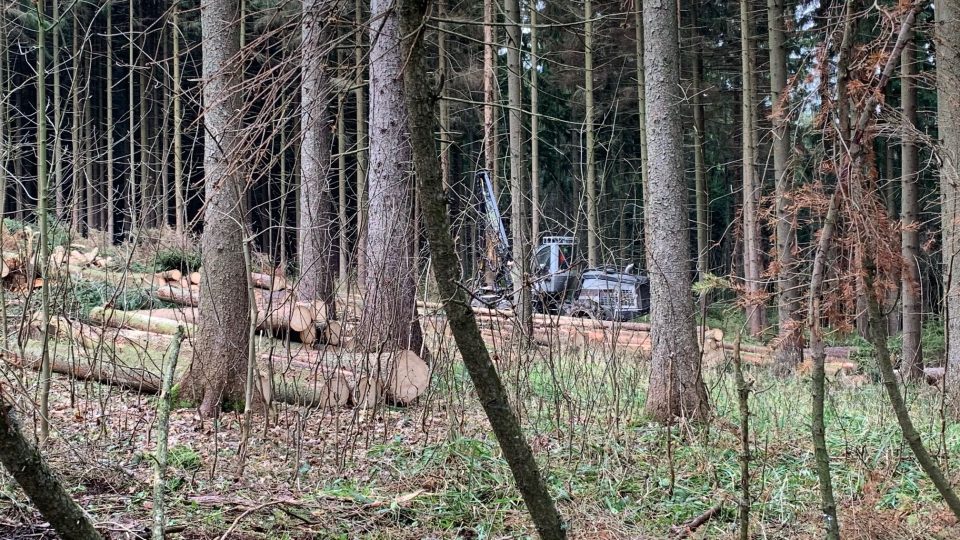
{"points": [[554, 266]]}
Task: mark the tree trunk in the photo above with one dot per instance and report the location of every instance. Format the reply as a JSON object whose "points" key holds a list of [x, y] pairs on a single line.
{"points": [[24, 462], [948, 119], [490, 390], [111, 205], [911, 366], [642, 117], [590, 182], [676, 384], [180, 205], [534, 128], [218, 372], [57, 118], [342, 225], [42, 218], [318, 214], [790, 343], [75, 187], [443, 69], [752, 255], [519, 218], [699, 163], [490, 90], [389, 312], [132, 193], [362, 153]]}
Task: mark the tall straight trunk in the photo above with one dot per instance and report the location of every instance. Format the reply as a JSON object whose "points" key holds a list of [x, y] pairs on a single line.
{"points": [[911, 366], [318, 214], [342, 224], [790, 343], [218, 373], [89, 150], [490, 128], [490, 90], [284, 195], [534, 127], [676, 384], [490, 390], [590, 182], [147, 187], [752, 264], [360, 107], [641, 115], [132, 192], [18, 168], [699, 163], [42, 218], [164, 126], [948, 119], [57, 118], [180, 209], [519, 218], [893, 214], [6, 144], [389, 311], [443, 67], [111, 203], [76, 186]]}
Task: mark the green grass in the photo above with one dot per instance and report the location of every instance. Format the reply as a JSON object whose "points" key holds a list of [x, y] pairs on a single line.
{"points": [[605, 459]]}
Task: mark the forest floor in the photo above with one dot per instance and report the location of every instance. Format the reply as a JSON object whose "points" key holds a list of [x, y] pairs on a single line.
{"points": [[433, 470]]}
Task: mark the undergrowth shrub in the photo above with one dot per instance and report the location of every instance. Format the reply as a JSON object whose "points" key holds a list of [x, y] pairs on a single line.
{"points": [[177, 259], [88, 295]]}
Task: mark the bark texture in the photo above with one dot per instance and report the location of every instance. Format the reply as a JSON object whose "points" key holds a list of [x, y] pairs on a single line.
{"points": [[519, 217], [790, 343], [389, 311], [490, 390], [752, 253], [30, 470], [676, 384], [912, 353], [217, 373], [590, 182], [318, 214], [948, 116]]}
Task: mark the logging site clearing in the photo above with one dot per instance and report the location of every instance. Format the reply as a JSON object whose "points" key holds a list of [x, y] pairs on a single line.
{"points": [[350, 449]]}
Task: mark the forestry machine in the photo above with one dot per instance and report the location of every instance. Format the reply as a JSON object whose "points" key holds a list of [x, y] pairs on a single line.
{"points": [[561, 283]]}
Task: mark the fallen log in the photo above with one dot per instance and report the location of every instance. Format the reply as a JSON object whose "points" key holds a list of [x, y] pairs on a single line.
{"points": [[139, 321], [186, 314], [140, 370], [403, 374], [171, 275], [319, 388], [268, 282], [365, 391], [280, 311], [106, 370], [178, 294], [195, 278]]}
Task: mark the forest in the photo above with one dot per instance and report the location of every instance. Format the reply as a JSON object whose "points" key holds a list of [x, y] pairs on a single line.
{"points": [[421, 269]]}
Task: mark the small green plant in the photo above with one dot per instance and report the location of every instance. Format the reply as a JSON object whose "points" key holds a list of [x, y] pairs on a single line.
{"points": [[184, 457], [177, 259]]}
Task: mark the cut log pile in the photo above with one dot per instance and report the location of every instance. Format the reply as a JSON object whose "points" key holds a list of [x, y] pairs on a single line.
{"points": [[558, 330], [73, 259], [125, 348], [279, 311]]}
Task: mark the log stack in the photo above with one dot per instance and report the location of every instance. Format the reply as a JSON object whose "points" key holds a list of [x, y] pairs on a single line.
{"points": [[126, 348]]}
